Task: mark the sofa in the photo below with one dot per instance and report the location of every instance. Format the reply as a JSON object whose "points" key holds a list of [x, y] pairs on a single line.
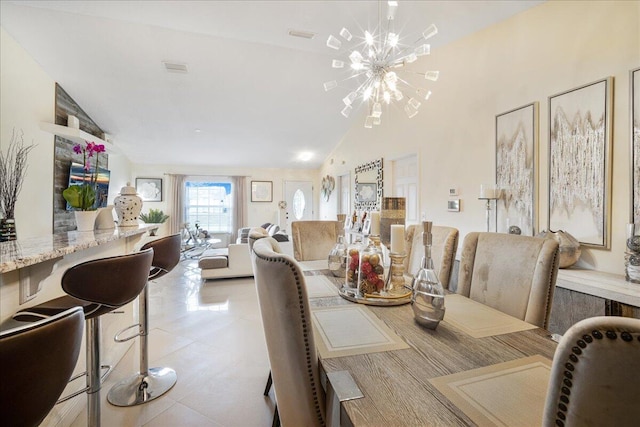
{"points": [[233, 261]]}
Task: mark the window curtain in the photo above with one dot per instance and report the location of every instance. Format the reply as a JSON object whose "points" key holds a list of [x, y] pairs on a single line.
{"points": [[240, 202], [176, 202]]}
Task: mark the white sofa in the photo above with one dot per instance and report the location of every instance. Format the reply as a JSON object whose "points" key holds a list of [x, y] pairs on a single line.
{"points": [[234, 261]]}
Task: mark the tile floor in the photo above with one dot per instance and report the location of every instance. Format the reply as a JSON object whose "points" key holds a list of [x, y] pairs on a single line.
{"points": [[211, 334]]}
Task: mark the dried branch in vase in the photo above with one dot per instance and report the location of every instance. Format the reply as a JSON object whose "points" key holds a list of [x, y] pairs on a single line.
{"points": [[13, 169]]}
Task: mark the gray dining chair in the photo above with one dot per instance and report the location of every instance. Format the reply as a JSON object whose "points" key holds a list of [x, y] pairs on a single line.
{"points": [[511, 273], [443, 250], [313, 240], [286, 318], [595, 376]]}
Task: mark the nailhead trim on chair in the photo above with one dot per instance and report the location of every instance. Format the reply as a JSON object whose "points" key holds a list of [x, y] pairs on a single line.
{"points": [[306, 331], [577, 351], [547, 309]]}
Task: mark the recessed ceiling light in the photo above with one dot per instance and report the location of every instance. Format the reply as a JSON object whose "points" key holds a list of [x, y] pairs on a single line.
{"points": [[197, 130], [301, 33], [305, 157], [175, 67]]}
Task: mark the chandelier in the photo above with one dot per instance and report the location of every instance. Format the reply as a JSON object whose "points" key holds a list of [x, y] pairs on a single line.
{"points": [[377, 66]]}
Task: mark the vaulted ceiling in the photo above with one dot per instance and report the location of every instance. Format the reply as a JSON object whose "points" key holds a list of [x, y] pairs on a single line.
{"points": [[253, 95]]}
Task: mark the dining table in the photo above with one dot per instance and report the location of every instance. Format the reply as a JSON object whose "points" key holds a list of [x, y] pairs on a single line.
{"points": [[478, 367]]}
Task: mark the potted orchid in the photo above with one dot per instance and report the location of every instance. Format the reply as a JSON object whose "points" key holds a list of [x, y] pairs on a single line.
{"points": [[82, 197]]}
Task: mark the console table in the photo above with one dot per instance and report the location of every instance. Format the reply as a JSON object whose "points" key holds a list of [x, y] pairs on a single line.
{"points": [[581, 293]]}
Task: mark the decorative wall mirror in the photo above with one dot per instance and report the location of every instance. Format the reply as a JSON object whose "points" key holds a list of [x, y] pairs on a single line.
{"points": [[368, 178]]}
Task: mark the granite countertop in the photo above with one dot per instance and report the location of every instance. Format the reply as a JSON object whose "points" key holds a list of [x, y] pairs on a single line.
{"points": [[21, 253]]}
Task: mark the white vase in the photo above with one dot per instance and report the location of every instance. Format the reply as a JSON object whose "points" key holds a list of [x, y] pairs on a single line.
{"points": [[128, 206], [85, 220]]}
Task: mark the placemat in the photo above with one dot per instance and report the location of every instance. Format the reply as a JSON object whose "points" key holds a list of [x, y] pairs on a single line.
{"points": [[507, 394], [350, 330], [319, 264], [320, 286], [479, 320]]}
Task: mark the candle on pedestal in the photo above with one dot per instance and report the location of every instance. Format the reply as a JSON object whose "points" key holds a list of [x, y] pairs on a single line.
{"points": [[397, 238], [375, 223]]}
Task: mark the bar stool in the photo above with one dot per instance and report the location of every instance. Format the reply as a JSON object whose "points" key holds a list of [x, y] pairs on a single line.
{"points": [[37, 360], [148, 383], [99, 287]]}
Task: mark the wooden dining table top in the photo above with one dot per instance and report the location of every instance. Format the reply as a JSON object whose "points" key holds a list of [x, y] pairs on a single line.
{"points": [[396, 383]]}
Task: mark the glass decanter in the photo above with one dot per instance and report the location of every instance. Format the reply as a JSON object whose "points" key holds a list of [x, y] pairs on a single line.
{"points": [[338, 258], [427, 300]]}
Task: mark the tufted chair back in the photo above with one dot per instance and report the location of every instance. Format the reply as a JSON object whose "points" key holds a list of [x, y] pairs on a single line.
{"points": [[511, 273], [286, 318], [595, 376], [313, 240], [443, 250]]}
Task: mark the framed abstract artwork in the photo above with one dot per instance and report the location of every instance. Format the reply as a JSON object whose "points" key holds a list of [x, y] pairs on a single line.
{"points": [[516, 169], [635, 145], [149, 189], [262, 191], [580, 162]]}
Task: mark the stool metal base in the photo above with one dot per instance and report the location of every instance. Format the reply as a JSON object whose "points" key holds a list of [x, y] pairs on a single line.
{"points": [[139, 389]]}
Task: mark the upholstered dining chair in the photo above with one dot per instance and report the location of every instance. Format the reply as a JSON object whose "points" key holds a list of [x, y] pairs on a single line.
{"points": [[511, 273], [595, 376], [286, 319], [313, 240], [37, 360], [443, 250]]}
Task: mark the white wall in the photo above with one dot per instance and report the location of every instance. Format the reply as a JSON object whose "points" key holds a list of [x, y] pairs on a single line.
{"points": [[27, 97], [258, 213], [543, 51]]}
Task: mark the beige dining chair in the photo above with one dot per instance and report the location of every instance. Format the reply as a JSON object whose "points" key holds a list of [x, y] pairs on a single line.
{"points": [[286, 318], [511, 273], [313, 240], [443, 250], [595, 376]]}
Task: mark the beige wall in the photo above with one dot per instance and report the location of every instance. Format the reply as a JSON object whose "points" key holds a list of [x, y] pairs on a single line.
{"points": [[28, 98], [258, 213], [548, 49]]}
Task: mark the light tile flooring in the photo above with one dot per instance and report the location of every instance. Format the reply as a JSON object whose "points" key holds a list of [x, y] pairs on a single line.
{"points": [[211, 334]]}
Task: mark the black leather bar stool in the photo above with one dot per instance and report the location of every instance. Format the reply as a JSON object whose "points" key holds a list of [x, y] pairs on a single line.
{"points": [[98, 286], [148, 383], [36, 361]]}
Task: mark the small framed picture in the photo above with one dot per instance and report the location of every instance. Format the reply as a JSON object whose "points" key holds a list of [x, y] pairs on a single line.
{"points": [[261, 191], [453, 205], [149, 189]]}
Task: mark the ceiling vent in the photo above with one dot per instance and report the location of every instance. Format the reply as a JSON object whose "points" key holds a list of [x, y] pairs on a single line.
{"points": [[302, 34], [175, 67]]}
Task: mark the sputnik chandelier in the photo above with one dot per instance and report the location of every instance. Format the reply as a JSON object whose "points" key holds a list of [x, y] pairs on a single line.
{"points": [[377, 63]]}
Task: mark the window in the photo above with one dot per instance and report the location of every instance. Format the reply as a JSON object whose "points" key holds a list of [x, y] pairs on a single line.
{"points": [[210, 204]]}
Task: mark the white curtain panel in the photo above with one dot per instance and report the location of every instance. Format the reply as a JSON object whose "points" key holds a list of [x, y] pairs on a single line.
{"points": [[240, 218], [175, 195]]}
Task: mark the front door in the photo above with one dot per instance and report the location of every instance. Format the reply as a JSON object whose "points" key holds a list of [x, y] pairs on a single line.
{"points": [[299, 198]]}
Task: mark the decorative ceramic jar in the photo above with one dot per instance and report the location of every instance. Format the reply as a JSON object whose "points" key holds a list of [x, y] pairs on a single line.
{"points": [[7, 229], [128, 206], [569, 246]]}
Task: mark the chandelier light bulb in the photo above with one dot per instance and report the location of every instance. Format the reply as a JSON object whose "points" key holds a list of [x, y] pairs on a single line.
{"points": [[334, 43], [345, 34], [430, 32], [432, 75], [380, 68]]}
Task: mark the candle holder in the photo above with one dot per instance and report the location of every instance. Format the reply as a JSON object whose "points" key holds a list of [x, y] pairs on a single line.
{"points": [[395, 280]]}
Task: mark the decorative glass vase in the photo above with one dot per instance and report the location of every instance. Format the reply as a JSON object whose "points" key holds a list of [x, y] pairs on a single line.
{"points": [[365, 273], [338, 258], [427, 300]]}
